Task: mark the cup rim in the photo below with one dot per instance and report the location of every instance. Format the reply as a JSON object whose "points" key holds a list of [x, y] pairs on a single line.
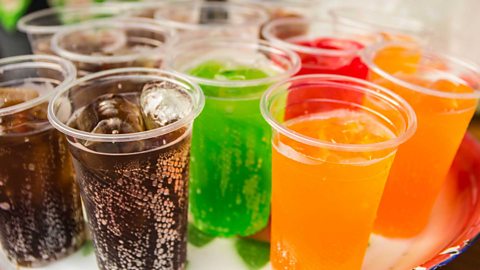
{"points": [[38, 61], [198, 101], [368, 55], [245, 43], [367, 87], [115, 23], [261, 15], [266, 32], [338, 13], [25, 26]]}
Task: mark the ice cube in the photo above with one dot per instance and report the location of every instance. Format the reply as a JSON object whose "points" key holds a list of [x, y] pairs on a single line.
{"points": [[10, 96], [110, 114], [27, 120], [114, 126], [163, 103]]}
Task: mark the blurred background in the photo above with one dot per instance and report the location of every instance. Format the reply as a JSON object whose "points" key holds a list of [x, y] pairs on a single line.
{"points": [[455, 23]]}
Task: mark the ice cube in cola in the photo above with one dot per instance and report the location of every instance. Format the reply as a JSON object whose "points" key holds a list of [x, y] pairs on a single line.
{"points": [[135, 196], [163, 103]]}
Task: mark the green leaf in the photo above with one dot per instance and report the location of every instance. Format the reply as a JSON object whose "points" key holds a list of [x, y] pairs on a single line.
{"points": [[87, 248], [197, 237], [254, 253]]}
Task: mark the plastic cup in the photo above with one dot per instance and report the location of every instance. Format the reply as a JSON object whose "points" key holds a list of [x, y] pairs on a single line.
{"points": [[40, 26], [444, 93], [194, 19], [277, 9], [145, 9], [392, 26], [134, 185], [324, 47], [230, 173], [40, 210], [285, 8], [117, 43], [329, 167]]}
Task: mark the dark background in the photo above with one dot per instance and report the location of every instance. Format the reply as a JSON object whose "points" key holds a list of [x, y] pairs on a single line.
{"points": [[467, 261], [16, 43]]}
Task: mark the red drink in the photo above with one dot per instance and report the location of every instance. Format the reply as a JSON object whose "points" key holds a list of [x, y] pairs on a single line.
{"points": [[337, 59], [324, 48]]}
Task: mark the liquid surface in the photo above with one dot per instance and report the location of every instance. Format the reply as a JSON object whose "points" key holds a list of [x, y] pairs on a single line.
{"points": [[334, 197], [348, 64], [143, 47], [230, 183]]}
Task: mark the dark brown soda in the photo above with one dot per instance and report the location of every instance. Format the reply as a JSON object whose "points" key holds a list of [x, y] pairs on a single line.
{"points": [[137, 202], [40, 209]]}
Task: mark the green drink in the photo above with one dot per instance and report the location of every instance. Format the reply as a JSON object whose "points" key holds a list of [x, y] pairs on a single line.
{"points": [[230, 187], [230, 181]]}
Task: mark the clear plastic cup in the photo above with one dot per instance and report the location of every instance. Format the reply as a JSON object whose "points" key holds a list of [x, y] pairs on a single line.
{"points": [[324, 47], [285, 8], [117, 43], [129, 134], [329, 167], [40, 210], [145, 9], [40, 26], [444, 92], [230, 172], [392, 26], [197, 19]]}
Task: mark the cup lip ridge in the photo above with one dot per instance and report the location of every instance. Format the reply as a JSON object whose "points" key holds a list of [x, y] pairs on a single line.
{"points": [[247, 43], [373, 89], [198, 101], [112, 23], [266, 32], [34, 60], [262, 15], [368, 54]]}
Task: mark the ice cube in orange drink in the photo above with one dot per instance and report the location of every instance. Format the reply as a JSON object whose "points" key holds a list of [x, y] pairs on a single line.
{"points": [[397, 59], [324, 201]]}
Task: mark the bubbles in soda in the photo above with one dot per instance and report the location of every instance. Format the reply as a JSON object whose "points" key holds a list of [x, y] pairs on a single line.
{"points": [[40, 214], [136, 202]]}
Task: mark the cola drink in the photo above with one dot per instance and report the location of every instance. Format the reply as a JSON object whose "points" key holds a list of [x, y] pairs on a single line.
{"points": [[108, 44], [41, 216], [133, 167]]}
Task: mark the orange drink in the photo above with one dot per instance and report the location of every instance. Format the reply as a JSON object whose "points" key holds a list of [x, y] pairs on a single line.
{"points": [[329, 167], [442, 92]]}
